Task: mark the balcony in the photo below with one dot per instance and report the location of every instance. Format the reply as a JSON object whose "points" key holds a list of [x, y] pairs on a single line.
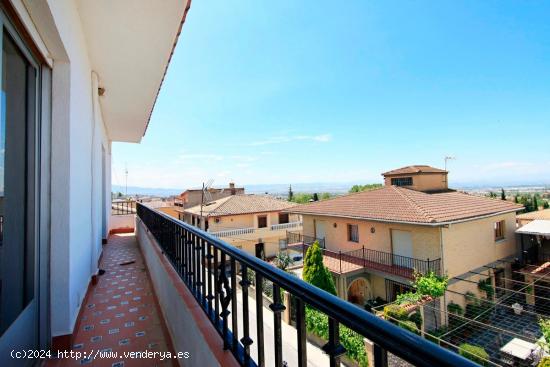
{"points": [[199, 277], [258, 232], [364, 258]]}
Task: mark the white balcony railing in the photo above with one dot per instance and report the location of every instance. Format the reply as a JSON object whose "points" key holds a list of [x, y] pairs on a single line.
{"points": [[241, 231], [233, 232], [276, 227]]}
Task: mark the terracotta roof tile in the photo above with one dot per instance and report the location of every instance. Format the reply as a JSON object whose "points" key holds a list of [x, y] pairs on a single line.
{"points": [[540, 214], [241, 204], [398, 204]]}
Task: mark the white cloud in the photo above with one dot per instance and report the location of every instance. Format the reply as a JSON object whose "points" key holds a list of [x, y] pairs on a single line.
{"points": [[323, 138]]}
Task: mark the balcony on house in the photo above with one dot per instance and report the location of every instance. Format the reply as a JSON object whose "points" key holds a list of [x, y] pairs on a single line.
{"points": [[258, 232], [340, 262]]}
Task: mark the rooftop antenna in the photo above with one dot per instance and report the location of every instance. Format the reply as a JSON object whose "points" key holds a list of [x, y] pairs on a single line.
{"points": [[448, 158], [206, 196]]}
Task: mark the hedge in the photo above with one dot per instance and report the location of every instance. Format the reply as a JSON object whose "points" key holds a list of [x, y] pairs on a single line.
{"points": [[394, 312], [473, 353], [317, 323]]}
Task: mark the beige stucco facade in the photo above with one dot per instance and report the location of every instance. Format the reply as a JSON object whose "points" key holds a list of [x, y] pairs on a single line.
{"points": [[426, 240], [246, 240], [422, 182], [462, 247], [470, 245]]}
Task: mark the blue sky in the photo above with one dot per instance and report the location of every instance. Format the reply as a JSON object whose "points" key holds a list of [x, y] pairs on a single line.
{"points": [[316, 91]]}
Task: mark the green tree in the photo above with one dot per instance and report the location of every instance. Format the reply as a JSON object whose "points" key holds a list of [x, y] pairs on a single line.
{"points": [[325, 196], [502, 194], [290, 193], [492, 194], [367, 187], [545, 204], [535, 206], [516, 199], [315, 272], [283, 261], [315, 197]]}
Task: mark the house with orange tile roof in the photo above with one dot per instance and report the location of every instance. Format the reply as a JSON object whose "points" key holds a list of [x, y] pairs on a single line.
{"points": [[375, 240], [253, 223]]}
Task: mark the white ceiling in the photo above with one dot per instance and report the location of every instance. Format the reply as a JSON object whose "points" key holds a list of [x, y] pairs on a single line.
{"points": [[129, 44]]}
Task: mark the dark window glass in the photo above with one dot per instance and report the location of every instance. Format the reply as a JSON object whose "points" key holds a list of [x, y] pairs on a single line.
{"points": [[283, 218], [17, 257], [402, 181], [262, 221], [353, 232]]}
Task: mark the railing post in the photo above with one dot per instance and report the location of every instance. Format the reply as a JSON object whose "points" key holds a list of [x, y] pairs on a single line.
{"points": [[333, 348], [364, 260], [277, 307], [340, 252], [380, 356], [301, 332]]}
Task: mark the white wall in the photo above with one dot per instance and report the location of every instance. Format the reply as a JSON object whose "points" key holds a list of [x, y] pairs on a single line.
{"points": [[78, 135]]}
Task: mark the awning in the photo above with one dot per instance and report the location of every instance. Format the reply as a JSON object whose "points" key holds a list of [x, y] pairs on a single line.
{"points": [[537, 227]]}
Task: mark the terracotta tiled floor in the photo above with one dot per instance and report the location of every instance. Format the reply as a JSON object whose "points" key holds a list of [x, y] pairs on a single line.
{"points": [[121, 313]]}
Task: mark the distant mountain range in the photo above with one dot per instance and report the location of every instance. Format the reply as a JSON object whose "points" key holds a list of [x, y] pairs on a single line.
{"points": [[319, 187]]}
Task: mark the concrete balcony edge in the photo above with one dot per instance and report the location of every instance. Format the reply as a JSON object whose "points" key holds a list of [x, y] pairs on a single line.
{"points": [[189, 327]]}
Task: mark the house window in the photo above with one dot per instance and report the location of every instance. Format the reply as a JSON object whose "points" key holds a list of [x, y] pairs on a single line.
{"points": [[499, 230], [283, 218], [262, 221], [353, 232], [402, 181]]}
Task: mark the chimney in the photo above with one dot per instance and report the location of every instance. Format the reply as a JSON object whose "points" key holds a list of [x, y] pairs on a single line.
{"points": [[232, 188]]}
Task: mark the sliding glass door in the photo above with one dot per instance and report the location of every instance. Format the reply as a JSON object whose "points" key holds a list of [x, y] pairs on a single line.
{"points": [[19, 147]]}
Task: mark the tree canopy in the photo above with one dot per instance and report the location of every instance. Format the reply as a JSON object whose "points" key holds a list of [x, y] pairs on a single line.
{"points": [[367, 187], [315, 272]]}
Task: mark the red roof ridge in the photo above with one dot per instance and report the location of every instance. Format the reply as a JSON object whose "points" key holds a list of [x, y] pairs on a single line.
{"points": [[403, 192]]}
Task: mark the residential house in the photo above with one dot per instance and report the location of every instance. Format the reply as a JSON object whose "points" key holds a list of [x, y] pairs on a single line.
{"points": [[193, 197], [534, 236], [254, 223], [523, 219], [375, 240]]}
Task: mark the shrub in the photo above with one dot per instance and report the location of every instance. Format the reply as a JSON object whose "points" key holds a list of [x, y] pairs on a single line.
{"points": [[544, 325], [317, 323], [408, 297], [430, 284], [315, 272], [409, 325], [486, 286], [545, 362], [473, 353], [455, 308], [416, 317], [395, 312], [471, 298]]}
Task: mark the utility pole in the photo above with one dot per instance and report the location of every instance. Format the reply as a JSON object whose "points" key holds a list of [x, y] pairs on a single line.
{"points": [[126, 174]]}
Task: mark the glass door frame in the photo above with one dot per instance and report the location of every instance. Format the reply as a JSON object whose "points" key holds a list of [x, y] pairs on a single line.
{"points": [[32, 327]]}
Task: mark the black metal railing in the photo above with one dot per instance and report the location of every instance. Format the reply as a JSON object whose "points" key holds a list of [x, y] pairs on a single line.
{"points": [[343, 262], [123, 207], [210, 269], [295, 238]]}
